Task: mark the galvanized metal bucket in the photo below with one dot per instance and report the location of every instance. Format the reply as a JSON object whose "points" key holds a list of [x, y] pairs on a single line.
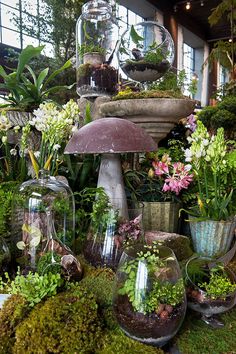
{"points": [[212, 238], [161, 216]]}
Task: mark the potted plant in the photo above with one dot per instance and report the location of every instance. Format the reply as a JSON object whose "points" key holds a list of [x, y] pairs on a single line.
{"points": [[211, 288], [211, 218], [26, 91], [160, 186], [149, 297]]}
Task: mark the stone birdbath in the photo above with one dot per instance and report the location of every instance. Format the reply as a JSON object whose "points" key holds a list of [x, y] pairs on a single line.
{"points": [[156, 115], [111, 137]]}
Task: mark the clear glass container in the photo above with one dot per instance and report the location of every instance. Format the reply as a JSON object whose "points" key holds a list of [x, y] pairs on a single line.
{"points": [[109, 235], [96, 43], [201, 287], [146, 51], [5, 257], [149, 299], [33, 200]]}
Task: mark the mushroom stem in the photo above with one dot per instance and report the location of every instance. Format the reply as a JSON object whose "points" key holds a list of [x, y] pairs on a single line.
{"points": [[111, 179]]}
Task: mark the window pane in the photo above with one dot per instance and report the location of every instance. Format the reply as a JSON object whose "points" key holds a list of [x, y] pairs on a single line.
{"points": [[131, 18], [9, 17], [48, 50], [13, 3], [27, 40], [122, 13], [29, 26], [30, 6], [10, 37]]}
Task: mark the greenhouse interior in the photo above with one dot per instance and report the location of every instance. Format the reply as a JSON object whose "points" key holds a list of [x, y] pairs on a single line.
{"points": [[117, 177]]}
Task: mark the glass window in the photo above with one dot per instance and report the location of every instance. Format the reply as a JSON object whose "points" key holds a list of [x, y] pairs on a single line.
{"points": [[188, 65], [27, 40], [10, 37], [7, 15], [13, 3]]}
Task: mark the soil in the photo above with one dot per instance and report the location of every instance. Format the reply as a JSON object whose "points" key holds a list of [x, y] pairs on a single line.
{"points": [[147, 326], [93, 254], [143, 71], [206, 305], [94, 80]]}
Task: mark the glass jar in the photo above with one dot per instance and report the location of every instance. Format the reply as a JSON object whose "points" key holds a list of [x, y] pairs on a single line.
{"points": [[146, 51], [96, 42], [149, 299], [109, 234], [211, 289], [33, 200]]}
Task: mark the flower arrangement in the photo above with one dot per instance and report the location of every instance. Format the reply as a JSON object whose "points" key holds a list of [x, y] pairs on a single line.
{"points": [[213, 166], [55, 125]]}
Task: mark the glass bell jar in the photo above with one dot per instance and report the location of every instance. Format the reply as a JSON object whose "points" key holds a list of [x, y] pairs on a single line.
{"points": [[149, 299], [33, 202], [110, 232], [96, 43], [146, 51]]}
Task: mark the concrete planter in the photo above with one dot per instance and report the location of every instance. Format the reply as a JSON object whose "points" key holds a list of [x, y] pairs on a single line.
{"points": [[156, 115], [161, 216], [212, 238]]}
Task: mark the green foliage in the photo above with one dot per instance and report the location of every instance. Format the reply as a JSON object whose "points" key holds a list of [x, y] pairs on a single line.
{"points": [[6, 198], [25, 93], [136, 38], [219, 284], [14, 310], [196, 337], [91, 48], [206, 114], [148, 94], [116, 342], [46, 265], [67, 323], [162, 292], [33, 287], [170, 81], [154, 56]]}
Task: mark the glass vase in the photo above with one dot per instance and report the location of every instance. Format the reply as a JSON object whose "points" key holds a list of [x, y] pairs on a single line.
{"points": [[149, 299], [199, 300], [33, 200], [96, 42], [146, 51], [108, 236]]}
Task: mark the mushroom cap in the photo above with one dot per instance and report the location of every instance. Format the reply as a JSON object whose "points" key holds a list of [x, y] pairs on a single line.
{"points": [[110, 135]]}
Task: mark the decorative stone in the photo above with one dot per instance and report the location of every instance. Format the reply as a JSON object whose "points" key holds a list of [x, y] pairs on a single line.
{"points": [[19, 117]]}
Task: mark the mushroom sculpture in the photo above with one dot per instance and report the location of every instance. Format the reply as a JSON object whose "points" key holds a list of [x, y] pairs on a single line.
{"points": [[111, 137]]}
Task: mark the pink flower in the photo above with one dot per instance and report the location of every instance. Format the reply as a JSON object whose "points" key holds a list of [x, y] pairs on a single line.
{"points": [[160, 168]]}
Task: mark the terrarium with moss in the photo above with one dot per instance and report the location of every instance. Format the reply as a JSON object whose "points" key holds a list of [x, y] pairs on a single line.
{"points": [[211, 289], [149, 298], [96, 43]]}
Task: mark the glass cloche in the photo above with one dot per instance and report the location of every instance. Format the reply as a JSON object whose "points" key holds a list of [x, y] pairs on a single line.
{"points": [[146, 51], [96, 43], [38, 204]]}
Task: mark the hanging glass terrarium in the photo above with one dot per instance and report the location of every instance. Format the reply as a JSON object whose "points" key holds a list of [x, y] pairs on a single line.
{"points": [[96, 42], [34, 200]]}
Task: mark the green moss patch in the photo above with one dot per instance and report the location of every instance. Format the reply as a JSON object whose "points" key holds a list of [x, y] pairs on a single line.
{"points": [[148, 94]]}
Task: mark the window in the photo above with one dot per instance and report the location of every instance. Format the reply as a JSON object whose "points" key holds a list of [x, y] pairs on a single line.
{"points": [[21, 23], [188, 65], [126, 18]]}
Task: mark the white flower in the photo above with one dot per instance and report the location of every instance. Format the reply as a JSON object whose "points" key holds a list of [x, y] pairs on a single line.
{"points": [[188, 155], [188, 167], [37, 154], [4, 123], [13, 152], [56, 147], [205, 142], [16, 128]]}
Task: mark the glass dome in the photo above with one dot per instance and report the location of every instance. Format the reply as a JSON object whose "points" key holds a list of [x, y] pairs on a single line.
{"points": [[149, 299], [33, 201], [146, 51], [96, 43]]}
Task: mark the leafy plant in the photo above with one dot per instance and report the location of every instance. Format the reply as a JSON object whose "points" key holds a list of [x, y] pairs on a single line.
{"points": [[161, 291], [170, 81], [28, 93], [33, 287], [90, 48]]}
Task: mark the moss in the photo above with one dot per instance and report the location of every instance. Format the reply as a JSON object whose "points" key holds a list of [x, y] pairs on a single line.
{"points": [[148, 94], [180, 246], [84, 70], [116, 342], [68, 323], [196, 337], [12, 313], [45, 264]]}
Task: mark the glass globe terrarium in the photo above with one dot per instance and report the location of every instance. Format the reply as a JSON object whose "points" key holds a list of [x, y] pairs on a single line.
{"points": [[146, 51], [149, 299], [39, 206], [96, 42], [110, 232], [211, 289]]}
